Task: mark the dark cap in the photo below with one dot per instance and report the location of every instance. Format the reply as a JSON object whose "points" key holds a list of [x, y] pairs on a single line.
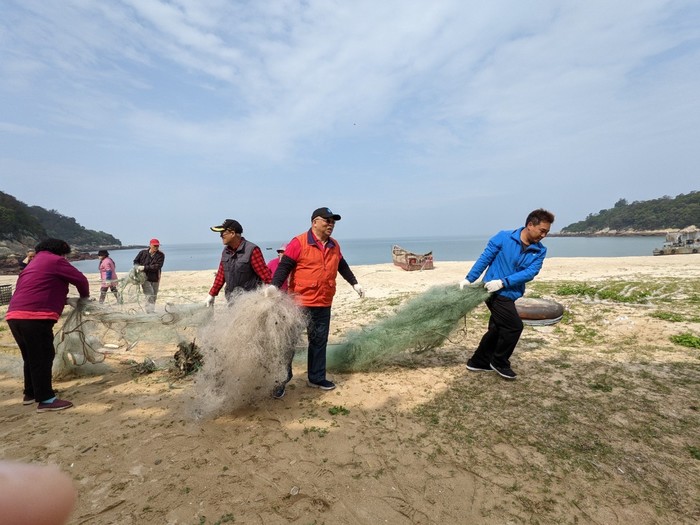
{"points": [[325, 213], [228, 224]]}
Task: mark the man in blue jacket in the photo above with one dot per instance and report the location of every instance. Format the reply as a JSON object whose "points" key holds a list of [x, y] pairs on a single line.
{"points": [[511, 258]]}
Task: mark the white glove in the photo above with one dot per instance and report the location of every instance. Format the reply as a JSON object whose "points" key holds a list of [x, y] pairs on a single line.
{"points": [[360, 291], [270, 290], [494, 286], [210, 301], [140, 268], [463, 283]]}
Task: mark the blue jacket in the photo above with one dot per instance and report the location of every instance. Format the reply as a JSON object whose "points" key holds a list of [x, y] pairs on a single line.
{"points": [[506, 260]]}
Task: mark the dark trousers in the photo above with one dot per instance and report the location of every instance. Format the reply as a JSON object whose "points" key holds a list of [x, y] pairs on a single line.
{"points": [[317, 328], [35, 340], [505, 327], [103, 292]]}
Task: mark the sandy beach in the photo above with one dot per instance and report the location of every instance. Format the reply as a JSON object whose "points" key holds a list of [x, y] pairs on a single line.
{"points": [[602, 425]]}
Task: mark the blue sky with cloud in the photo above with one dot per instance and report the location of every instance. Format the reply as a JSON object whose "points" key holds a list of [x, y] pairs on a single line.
{"points": [[148, 118]]}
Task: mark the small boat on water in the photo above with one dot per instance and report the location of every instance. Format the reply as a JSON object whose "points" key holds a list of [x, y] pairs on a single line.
{"points": [[410, 261], [681, 242]]}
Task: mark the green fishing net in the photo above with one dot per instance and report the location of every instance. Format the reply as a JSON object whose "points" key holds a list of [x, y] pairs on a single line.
{"points": [[422, 323]]}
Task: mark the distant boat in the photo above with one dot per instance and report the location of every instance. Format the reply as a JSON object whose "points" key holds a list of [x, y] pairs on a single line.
{"points": [[410, 261], [682, 242]]}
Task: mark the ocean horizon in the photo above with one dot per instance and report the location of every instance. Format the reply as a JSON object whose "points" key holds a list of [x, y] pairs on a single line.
{"points": [[206, 256]]}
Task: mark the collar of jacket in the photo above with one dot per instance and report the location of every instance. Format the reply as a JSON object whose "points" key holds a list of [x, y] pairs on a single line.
{"points": [[312, 240]]}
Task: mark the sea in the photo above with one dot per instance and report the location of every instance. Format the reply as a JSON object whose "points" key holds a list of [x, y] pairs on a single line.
{"points": [[206, 256]]}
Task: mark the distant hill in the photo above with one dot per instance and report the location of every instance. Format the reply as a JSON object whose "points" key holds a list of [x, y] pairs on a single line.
{"points": [[666, 213], [66, 228], [23, 226]]}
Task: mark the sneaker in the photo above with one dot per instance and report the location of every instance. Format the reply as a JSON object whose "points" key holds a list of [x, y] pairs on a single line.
{"points": [[28, 400], [323, 384], [56, 404], [278, 392], [504, 372], [478, 368]]}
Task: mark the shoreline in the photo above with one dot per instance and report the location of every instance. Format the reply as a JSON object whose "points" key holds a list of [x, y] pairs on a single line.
{"points": [[554, 268]]}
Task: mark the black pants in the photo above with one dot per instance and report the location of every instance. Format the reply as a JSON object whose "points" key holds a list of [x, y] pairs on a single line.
{"points": [[35, 340], [505, 327], [103, 292], [317, 328]]}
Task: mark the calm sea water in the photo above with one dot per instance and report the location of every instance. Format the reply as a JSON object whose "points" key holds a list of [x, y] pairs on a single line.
{"points": [[375, 251]]}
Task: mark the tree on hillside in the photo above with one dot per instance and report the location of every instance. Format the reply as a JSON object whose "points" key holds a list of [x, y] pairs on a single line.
{"points": [[658, 214]]}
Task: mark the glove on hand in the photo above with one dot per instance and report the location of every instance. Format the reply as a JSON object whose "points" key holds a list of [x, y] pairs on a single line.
{"points": [[270, 290], [210, 301], [140, 268], [72, 301], [463, 283], [494, 286], [360, 291]]}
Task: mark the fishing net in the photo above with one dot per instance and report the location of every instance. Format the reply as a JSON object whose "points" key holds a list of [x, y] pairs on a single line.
{"points": [[246, 348], [423, 323], [91, 329]]}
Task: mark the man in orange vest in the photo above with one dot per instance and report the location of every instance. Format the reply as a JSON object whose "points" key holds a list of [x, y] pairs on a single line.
{"points": [[311, 261]]}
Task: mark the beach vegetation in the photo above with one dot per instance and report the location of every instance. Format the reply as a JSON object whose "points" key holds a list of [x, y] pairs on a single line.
{"points": [[338, 409], [672, 317], [686, 339], [320, 432]]}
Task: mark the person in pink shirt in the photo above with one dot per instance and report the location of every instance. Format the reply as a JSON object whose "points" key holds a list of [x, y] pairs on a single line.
{"points": [[108, 275], [36, 305], [274, 263]]}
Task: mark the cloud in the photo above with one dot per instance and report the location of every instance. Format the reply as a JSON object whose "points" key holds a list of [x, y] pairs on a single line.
{"points": [[467, 104]]}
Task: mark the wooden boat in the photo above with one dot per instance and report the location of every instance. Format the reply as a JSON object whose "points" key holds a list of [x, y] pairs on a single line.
{"points": [[411, 261]]}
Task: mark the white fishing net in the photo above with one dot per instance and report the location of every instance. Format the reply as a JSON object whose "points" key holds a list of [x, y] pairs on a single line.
{"points": [[246, 348]]}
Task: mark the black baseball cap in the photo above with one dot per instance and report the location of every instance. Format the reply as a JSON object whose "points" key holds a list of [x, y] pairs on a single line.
{"points": [[228, 224], [325, 213]]}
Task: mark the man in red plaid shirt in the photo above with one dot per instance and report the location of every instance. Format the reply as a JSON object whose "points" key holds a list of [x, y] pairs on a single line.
{"points": [[242, 266]]}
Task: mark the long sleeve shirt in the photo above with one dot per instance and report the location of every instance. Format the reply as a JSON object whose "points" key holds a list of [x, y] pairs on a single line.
{"points": [[257, 261]]}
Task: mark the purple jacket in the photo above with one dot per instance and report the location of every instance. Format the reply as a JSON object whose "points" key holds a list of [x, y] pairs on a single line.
{"points": [[42, 288]]}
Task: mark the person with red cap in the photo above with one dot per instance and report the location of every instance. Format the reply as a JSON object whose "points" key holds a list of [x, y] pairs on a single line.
{"points": [[150, 261]]}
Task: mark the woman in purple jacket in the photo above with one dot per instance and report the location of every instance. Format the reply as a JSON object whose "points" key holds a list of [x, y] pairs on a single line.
{"points": [[36, 305]]}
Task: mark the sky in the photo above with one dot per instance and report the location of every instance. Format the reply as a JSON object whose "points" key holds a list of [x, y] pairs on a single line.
{"points": [[155, 118]]}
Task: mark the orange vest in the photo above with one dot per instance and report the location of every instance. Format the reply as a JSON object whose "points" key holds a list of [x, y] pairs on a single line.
{"points": [[313, 278]]}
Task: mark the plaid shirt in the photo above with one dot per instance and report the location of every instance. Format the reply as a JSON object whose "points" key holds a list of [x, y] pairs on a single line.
{"points": [[257, 261]]}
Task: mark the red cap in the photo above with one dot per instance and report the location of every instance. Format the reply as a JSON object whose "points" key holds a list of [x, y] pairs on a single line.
{"points": [[155, 242]]}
